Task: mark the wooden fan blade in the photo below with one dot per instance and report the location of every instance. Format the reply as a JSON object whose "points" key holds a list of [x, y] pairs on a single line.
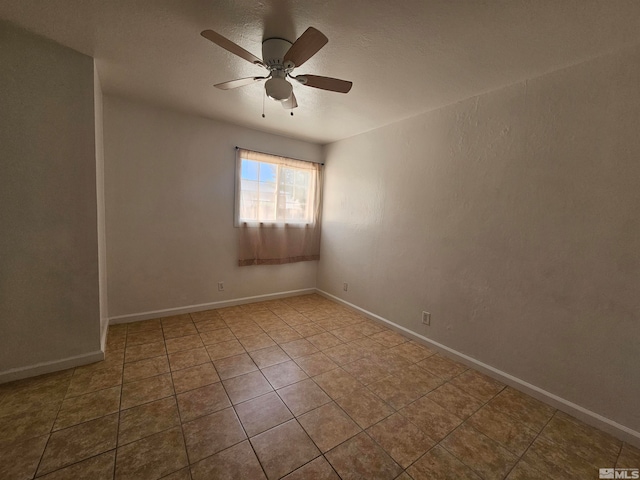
{"points": [[306, 46], [326, 83], [241, 82], [231, 47], [290, 102]]}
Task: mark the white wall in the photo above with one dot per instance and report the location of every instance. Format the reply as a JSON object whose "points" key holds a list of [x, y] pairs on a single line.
{"points": [[513, 218], [170, 181], [102, 247], [49, 303]]}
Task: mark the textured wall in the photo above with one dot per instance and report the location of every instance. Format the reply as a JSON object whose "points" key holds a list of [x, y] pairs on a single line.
{"points": [[513, 218], [170, 182], [49, 305]]}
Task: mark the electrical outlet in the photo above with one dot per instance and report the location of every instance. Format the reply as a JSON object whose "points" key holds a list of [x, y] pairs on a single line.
{"points": [[345, 286], [426, 318], [221, 286]]}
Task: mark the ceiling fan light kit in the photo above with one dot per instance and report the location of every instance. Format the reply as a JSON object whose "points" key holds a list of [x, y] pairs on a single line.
{"points": [[278, 88], [280, 57]]}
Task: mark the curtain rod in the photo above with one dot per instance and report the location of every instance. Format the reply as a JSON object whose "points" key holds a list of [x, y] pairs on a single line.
{"points": [[274, 155]]}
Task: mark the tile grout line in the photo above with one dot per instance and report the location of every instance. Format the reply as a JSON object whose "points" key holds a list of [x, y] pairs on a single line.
{"points": [[438, 443], [221, 379], [238, 416], [247, 438], [397, 411], [292, 414], [619, 454], [332, 401], [80, 423], [329, 321], [261, 370], [175, 397], [521, 457], [484, 404], [51, 432], [115, 457], [294, 417]]}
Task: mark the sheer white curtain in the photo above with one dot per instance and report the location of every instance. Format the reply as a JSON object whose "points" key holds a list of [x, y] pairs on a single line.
{"points": [[278, 208]]}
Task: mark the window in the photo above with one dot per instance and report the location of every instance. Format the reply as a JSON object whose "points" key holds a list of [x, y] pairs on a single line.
{"points": [[277, 209], [275, 190]]}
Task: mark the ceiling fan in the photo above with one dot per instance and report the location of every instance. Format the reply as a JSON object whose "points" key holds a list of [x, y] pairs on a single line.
{"points": [[281, 57]]}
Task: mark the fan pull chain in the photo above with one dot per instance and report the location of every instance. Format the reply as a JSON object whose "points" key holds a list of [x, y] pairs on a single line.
{"points": [[264, 94]]}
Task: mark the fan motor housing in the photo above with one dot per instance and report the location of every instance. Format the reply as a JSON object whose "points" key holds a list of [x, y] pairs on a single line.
{"points": [[273, 52]]}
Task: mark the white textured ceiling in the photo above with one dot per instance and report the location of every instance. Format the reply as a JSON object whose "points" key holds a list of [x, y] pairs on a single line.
{"points": [[404, 57]]}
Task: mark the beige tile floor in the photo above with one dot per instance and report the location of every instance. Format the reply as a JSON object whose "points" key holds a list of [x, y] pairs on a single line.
{"points": [[299, 388]]}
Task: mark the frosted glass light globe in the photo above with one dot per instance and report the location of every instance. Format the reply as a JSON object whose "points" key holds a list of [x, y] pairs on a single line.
{"points": [[278, 88]]}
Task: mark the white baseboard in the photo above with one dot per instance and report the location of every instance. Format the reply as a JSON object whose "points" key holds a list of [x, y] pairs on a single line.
{"points": [[53, 366], [135, 317], [592, 418]]}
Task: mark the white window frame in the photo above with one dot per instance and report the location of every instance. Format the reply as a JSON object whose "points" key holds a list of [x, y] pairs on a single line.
{"points": [[313, 206]]}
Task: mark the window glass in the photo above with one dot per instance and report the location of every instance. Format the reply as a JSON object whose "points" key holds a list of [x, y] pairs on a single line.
{"points": [[274, 192]]}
